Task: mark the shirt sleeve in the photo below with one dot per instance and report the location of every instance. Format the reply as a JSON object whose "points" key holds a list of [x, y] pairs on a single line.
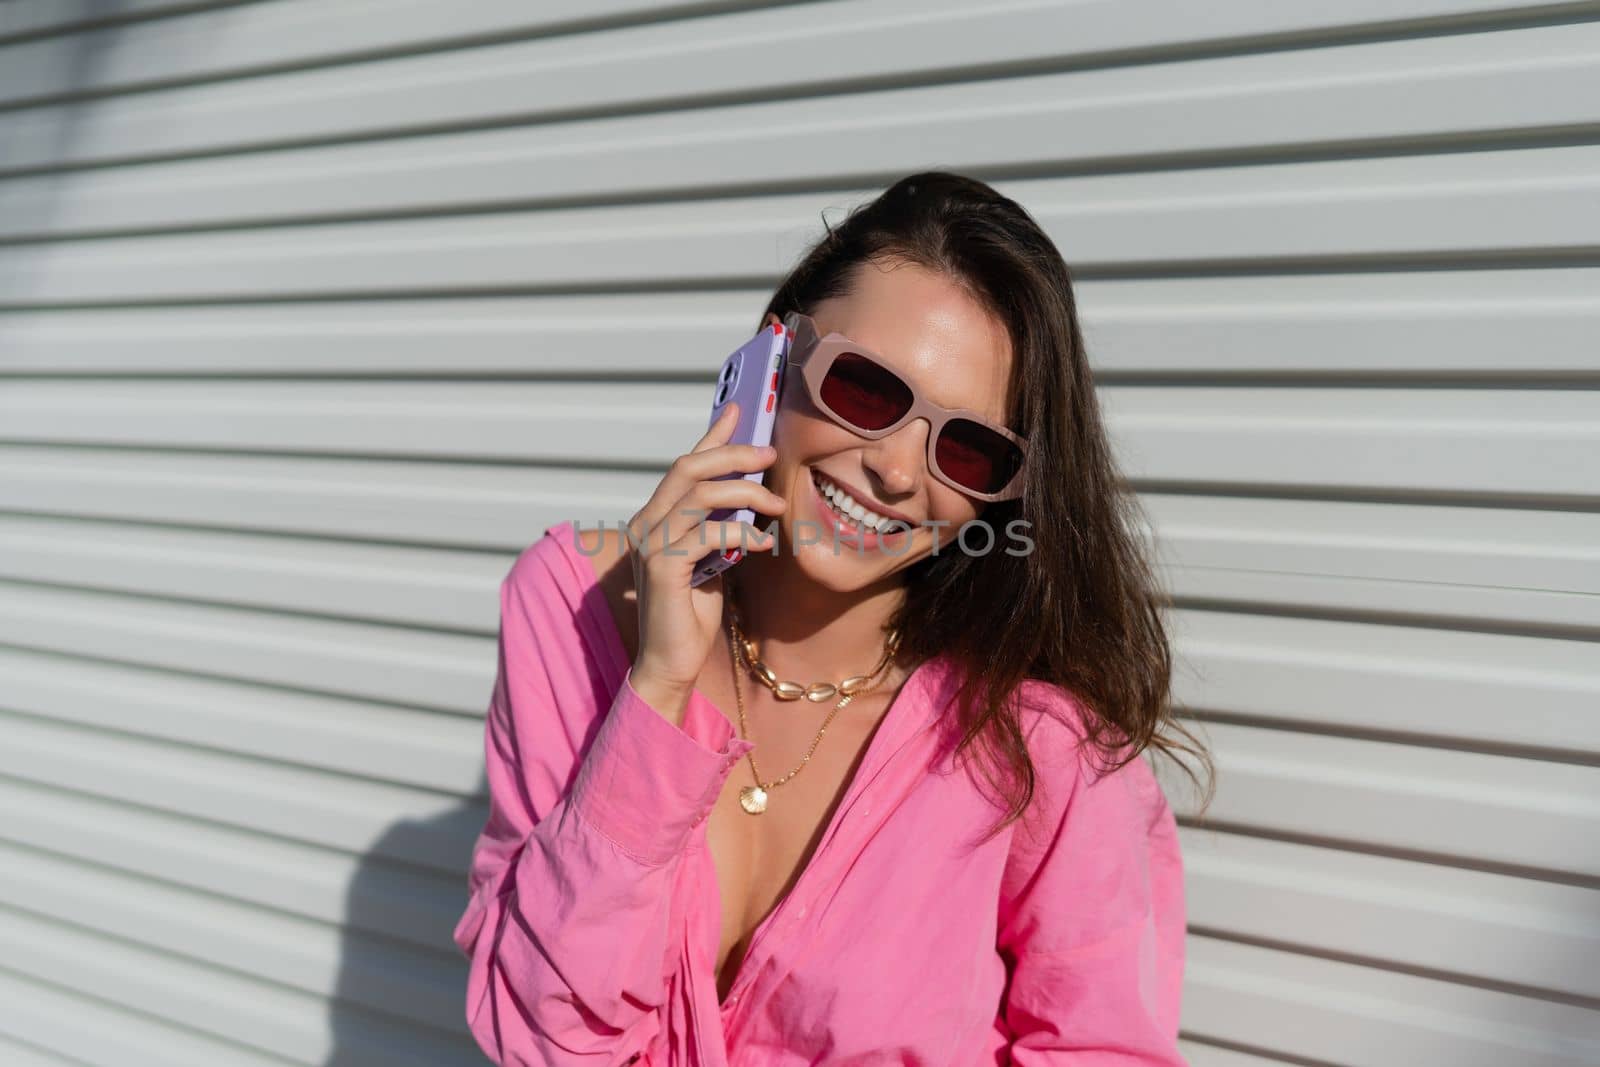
{"points": [[1092, 920], [568, 924]]}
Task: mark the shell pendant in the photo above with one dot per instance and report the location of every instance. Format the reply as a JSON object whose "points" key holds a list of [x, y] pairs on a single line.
{"points": [[753, 798]]}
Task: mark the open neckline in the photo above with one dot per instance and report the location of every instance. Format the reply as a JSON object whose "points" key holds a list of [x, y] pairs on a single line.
{"points": [[899, 707]]}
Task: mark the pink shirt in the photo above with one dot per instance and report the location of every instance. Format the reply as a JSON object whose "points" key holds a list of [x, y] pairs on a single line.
{"points": [[594, 912]]}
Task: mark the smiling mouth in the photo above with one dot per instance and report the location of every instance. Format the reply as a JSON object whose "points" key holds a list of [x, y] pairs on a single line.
{"points": [[852, 514]]}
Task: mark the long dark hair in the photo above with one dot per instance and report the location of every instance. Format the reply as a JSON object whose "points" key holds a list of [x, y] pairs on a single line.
{"points": [[1082, 610]]}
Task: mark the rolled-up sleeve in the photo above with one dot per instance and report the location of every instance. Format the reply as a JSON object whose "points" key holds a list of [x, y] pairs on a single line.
{"points": [[646, 784], [567, 923], [1092, 922]]}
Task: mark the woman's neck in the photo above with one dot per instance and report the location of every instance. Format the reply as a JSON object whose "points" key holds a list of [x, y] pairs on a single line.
{"points": [[804, 631]]}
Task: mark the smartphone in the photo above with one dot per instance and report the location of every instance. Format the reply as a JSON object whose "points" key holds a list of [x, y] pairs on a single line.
{"points": [[751, 377]]}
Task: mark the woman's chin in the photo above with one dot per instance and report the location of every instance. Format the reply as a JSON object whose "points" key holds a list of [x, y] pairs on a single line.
{"points": [[837, 563]]}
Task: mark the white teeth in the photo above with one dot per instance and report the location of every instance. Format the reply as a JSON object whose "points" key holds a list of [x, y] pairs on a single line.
{"points": [[845, 504]]}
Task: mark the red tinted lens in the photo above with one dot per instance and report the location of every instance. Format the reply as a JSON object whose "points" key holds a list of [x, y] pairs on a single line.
{"points": [[976, 457], [863, 393]]}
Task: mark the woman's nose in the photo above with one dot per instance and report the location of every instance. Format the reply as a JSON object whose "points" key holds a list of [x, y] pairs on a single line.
{"points": [[898, 460]]}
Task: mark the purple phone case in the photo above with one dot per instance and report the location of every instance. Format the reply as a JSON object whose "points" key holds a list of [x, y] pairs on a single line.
{"points": [[752, 377]]}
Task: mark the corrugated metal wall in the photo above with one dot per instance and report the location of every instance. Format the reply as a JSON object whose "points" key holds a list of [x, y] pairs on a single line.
{"points": [[313, 314]]}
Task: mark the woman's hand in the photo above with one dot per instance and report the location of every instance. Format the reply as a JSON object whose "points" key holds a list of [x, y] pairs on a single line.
{"points": [[677, 623]]}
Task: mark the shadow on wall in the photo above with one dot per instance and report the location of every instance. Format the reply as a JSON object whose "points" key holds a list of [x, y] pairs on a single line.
{"points": [[46, 106], [413, 879]]}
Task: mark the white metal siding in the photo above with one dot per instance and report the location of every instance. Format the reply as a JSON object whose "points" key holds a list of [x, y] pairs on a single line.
{"points": [[313, 314]]}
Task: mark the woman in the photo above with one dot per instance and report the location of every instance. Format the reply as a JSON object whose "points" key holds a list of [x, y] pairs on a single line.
{"points": [[946, 850]]}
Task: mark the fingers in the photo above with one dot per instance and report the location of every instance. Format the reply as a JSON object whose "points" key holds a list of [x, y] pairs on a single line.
{"points": [[720, 430], [711, 463], [703, 537], [691, 512], [732, 493]]}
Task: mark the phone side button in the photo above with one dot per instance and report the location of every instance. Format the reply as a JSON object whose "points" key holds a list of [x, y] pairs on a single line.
{"points": [[770, 397], [733, 555]]}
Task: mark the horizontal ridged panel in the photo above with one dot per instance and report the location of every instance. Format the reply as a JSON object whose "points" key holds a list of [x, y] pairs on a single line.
{"points": [[1533, 443], [88, 1030], [369, 893], [237, 38], [320, 959], [1330, 1011], [1346, 674], [849, 46], [1397, 914], [1446, 553], [406, 586], [29, 18], [220, 1004], [16, 1054], [1507, 813], [1404, 680], [465, 504], [297, 803], [363, 739], [1199, 1055], [1541, 77], [1533, 201], [1379, 324], [365, 660]]}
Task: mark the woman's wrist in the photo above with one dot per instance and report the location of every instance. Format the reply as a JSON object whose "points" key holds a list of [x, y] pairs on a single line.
{"points": [[669, 699]]}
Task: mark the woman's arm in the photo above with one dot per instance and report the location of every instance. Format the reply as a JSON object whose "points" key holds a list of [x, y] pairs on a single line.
{"points": [[567, 927], [1092, 923]]}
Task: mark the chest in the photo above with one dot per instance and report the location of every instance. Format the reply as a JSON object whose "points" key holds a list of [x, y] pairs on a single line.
{"points": [[759, 858]]}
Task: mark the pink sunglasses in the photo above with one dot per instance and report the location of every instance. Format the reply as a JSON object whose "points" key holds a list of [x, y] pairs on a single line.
{"points": [[860, 391]]}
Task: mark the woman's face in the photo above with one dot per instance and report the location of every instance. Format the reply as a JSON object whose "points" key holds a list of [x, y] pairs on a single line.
{"points": [[942, 342]]}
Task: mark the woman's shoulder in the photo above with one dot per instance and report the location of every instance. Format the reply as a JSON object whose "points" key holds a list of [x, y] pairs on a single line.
{"points": [[545, 568], [569, 551], [1053, 718], [552, 588], [553, 593], [1056, 722]]}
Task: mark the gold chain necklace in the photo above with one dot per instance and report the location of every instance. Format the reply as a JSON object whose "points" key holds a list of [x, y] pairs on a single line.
{"points": [[753, 798]]}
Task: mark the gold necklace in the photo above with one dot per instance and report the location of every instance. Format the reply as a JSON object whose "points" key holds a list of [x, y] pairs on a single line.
{"points": [[753, 798]]}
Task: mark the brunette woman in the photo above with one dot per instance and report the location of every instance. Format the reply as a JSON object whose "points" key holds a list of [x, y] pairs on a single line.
{"points": [[875, 795]]}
